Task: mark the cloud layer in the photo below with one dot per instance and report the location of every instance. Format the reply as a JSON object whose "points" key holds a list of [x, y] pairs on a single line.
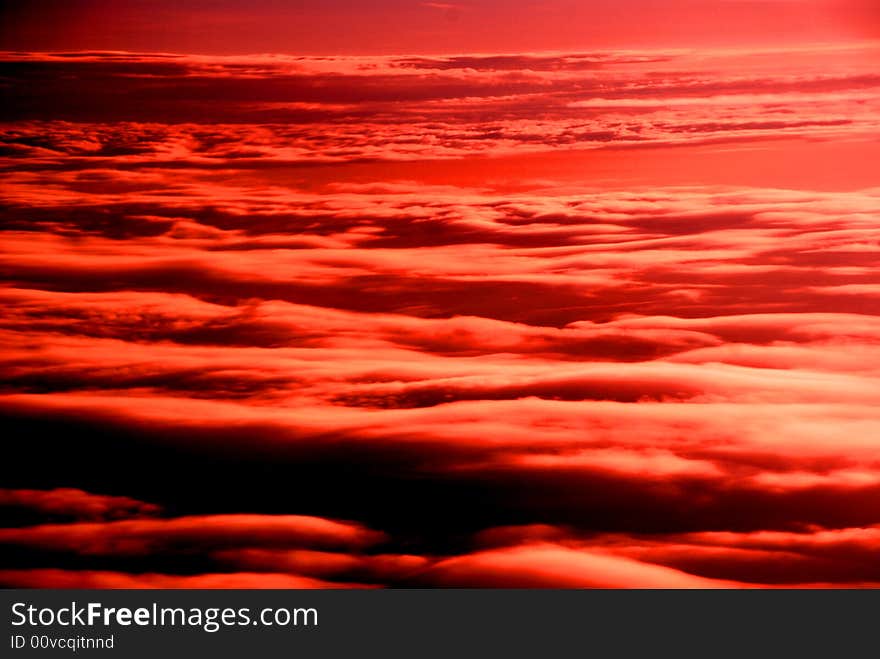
{"points": [[543, 320]]}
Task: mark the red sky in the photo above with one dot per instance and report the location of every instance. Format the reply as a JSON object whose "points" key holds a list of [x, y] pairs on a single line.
{"points": [[483, 294], [409, 26]]}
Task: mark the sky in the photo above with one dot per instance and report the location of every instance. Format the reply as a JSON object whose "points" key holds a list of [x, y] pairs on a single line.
{"points": [[437, 295], [334, 27]]}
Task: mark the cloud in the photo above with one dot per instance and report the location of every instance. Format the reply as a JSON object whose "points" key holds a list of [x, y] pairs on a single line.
{"points": [[806, 558], [542, 556], [280, 110], [54, 578], [547, 566], [537, 319], [142, 536], [70, 503]]}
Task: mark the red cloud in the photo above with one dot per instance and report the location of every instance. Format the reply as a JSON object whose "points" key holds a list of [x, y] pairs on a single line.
{"points": [[537, 319], [75, 504], [143, 536], [549, 566], [54, 578]]}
